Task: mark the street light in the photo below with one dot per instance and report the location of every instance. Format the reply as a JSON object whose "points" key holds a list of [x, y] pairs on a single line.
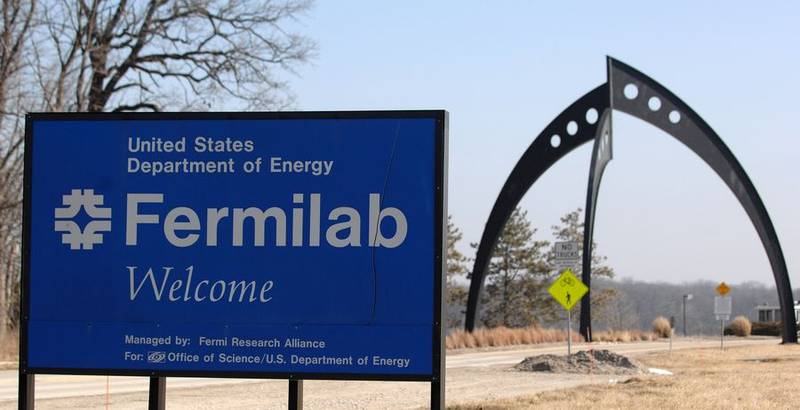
{"points": [[686, 297]]}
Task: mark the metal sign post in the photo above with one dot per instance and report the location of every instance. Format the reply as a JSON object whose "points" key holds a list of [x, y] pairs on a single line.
{"points": [[670, 341], [157, 396], [295, 395], [567, 290], [26, 390], [671, 332], [723, 307], [569, 331]]}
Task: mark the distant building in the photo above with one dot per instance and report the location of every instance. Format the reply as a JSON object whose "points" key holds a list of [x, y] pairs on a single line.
{"points": [[772, 313]]}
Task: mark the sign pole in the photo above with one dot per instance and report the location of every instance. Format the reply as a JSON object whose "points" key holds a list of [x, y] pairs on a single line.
{"points": [[26, 391], [670, 341], [569, 332], [437, 395], [722, 308], [295, 395], [158, 393]]}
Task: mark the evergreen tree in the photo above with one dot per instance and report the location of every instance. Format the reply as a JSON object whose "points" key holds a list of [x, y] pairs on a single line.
{"points": [[571, 230], [456, 293], [515, 289]]}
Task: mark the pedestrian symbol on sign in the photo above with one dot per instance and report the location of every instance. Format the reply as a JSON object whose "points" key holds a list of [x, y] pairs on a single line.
{"points": [[562, 290], [568, 290]]}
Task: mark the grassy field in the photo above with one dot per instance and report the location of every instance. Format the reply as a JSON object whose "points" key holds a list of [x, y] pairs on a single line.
{"points": [[758, 377]]}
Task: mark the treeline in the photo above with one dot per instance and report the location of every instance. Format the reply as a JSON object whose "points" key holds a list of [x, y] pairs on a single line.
{"points": [[521, 270], [638, 302]]}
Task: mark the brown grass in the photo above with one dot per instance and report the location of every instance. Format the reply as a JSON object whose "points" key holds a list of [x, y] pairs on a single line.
{"points": [[623, 336], [757, 377], [9, 347], [661, 327], [740, 326], [503, 336]]}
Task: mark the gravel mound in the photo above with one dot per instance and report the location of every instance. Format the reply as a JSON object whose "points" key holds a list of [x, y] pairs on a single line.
{"points": [[584, 362]]}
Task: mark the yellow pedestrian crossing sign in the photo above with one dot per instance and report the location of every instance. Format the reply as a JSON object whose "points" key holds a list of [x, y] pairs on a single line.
{"points": [[567, 290]]}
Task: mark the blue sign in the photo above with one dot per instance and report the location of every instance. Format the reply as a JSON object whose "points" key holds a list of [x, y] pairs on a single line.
{"points": [[234, 244]]}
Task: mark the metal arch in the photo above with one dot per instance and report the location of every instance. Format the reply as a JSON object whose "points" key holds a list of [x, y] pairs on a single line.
{"points": [[668, 113], [677, 119], [539, 156], [602, 153]]}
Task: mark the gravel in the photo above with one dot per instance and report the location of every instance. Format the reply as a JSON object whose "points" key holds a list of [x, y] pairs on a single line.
{"points": [[584, 362]]}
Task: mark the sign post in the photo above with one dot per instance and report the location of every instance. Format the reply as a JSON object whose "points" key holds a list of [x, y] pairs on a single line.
{"points": [[295, 394], [287, 246], [671, 332], [723, 307], [567, 290]]}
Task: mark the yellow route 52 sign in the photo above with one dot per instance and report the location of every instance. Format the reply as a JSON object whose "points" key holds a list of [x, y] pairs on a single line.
{"points": [[567, 290], [723, 289]]}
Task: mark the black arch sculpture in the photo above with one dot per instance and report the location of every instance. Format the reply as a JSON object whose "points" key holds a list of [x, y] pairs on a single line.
{"points": [[602, 153], [649, 101]]}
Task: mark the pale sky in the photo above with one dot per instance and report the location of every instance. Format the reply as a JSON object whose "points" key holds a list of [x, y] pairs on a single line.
{"points": [[504, 69]]}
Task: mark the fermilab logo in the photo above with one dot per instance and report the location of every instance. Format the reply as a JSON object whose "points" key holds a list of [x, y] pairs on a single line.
{"points": [[92, 233], [305, 224]]}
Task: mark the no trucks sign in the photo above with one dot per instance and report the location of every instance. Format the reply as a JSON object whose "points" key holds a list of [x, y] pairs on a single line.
{"points": [[304, 245]]}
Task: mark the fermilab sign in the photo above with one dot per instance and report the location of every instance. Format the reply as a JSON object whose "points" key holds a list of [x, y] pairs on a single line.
{"points": [[285, 245]]}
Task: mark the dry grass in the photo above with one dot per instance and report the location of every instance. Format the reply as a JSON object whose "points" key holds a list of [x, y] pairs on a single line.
{"points": [[9, 347], [740, 326], [757, 377], [661, 327], [503, 336], [623, 336]]}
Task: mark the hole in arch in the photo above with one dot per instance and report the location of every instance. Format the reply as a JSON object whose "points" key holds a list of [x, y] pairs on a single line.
{"points": [[631, 91], [654, 103], [555, 141], [572, 128], [674, 117], [591, 116]]}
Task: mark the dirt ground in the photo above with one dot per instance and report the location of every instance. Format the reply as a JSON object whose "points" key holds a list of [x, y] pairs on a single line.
{"points": [[753, 377], [762, 376], [464, 385]]}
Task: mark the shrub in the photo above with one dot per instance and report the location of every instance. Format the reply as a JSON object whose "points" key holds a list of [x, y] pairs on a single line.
{"points": [[740, 326], [766, 329], [661, 327]]}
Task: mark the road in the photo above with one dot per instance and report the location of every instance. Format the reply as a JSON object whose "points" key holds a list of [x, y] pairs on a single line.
{"points": [[466, 371]]}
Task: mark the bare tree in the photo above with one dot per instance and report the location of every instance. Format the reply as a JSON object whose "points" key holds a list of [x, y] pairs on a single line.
{"points": [[15, 29], [124, 55], [121, 55]]}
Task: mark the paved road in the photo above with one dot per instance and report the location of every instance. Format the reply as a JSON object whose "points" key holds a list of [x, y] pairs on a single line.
{"points": [[59, 386]]}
